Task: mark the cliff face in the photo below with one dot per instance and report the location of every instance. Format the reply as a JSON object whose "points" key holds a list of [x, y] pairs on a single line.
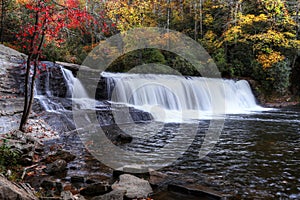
{"points": [[11, 82]]}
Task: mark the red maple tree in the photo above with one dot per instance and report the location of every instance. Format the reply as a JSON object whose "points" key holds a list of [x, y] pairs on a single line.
{"points": [[47, 21]]}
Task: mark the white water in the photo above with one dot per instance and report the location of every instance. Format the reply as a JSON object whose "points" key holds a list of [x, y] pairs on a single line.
{"points": [[81, 99], [175, 99], [73, 82], [168, 98]]}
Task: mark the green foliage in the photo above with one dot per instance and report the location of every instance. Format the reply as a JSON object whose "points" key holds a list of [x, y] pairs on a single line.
{"points": [[136, 58], [275, 80], [221, 61], [8, 157], [183, 66], [280, 76]]}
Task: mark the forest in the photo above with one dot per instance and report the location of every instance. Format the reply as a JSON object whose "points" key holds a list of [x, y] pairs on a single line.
{"points": [[95, 105], [252, 39]]}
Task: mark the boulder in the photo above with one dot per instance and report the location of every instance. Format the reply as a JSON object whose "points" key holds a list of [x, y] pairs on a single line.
{"points": [[134, 186], [12, 191]]}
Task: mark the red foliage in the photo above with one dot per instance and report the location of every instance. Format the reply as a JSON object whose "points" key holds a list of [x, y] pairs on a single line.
{"points": [[47, 20]]}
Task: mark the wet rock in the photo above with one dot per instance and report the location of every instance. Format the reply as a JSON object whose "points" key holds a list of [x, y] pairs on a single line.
{"points": [[67, 195], [79, 197], [77, 179], [26, 160], [96, 189], [134, 186], [12, 191], [116, 135], [56, 166], [157, 178], [90, 181], [25, 148], [60, 155], [195, 190], [113, 195], [133, 170], [52, 188], [71, 188], [50, 198]]}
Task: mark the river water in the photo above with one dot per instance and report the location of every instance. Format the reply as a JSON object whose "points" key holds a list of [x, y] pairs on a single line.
{"points": [[256, 157]]}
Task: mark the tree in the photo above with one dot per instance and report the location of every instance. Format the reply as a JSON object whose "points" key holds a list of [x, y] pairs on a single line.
{"points": [[46, 24], [4, 8]]}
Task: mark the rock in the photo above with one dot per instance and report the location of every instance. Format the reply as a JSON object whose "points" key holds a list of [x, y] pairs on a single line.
{"points": [[113, 195], [49, 198], [78, 197], [67, 195], [134, 186], [96, 189], [12, 191], [52, 187], [157, 178], [90, 181], [135, 170], [195, 190], [116, 135], [11, 52], [61, 155], [24, 148], [71, 188], [77, 179], [56, 166]]}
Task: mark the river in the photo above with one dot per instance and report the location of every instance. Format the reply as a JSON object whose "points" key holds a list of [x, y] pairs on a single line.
{"points": [[257, 155]]}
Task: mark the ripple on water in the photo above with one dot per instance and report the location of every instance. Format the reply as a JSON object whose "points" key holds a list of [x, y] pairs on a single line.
{"points": [[256, 156]]}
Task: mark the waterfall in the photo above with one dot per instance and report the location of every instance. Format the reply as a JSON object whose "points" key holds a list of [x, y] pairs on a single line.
{"points": [[58, 103], [168, 98], [72, 82], [177, 98]]}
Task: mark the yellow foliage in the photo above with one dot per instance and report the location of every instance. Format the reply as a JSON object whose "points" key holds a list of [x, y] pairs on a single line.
{"points": [[232, 34], [208, 19], [138, 13], [22, 1], [250, 18], [272, 37], [268, 60]]}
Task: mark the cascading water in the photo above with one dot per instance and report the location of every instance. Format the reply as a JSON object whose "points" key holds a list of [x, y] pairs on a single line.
{"points": [[175, 98], [168, 98], [72, 82], [53, 103]]}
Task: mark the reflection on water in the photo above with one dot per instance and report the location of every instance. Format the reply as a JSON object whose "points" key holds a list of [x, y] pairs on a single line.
{"points": [[257, 156]]}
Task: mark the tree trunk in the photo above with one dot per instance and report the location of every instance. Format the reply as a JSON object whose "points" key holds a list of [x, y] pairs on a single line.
{"points": [[2, 20], [26, 96], [29, 85]]}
